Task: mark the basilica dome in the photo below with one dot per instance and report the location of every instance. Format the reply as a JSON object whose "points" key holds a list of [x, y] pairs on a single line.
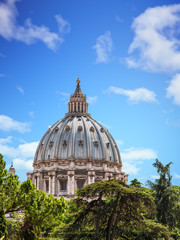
{"points": [[75, 151], [77, 137]]}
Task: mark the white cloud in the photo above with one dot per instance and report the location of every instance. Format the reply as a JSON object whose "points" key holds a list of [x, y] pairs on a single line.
{"points": [[20, 89], [119, 142], [177, 176], [156, 44], [8, 124], [103, 47], [92, 100], [155, 176], [173, 89], [31, 114], [135, 96], [132, 157], [29, 33], [25, 150], [21, 156], [22, 164], [175, 123], [64, 26]]}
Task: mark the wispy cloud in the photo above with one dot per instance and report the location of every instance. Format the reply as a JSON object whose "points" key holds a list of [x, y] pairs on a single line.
{"points": [[20, 89], [173, 90], [23, 164], [133, 157], [64, 26], [64, 96], [8, 124], [29, 33], [175, 123], [155, 177], [2, 75], [31, 114], [177, 176], [92, 100], [119, 142], [103, 48], [118, 19], [22, 155], [2, 55], [155, 46], [136, 95]]}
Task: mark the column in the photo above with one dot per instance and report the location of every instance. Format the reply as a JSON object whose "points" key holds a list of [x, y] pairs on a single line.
{"points": [[90, 177], [49, 184], [80, 106], [70, 183], [37, 182], [53, 185], [73, 106]]}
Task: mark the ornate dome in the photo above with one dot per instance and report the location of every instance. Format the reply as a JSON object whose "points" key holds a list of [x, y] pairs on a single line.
{"points": [[77, 137], [75, 151]]}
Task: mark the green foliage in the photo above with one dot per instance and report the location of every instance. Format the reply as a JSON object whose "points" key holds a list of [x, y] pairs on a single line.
{"points": [[160, 186], [13, 228], [135, 183], [110, 209], [3, 173]]}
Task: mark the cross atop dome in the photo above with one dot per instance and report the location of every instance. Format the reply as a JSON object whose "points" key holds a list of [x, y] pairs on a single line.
{"points": [[78, 105]]}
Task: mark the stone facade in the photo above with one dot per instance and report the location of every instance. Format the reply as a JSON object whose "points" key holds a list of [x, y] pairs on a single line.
{"points": [[75, 151]]}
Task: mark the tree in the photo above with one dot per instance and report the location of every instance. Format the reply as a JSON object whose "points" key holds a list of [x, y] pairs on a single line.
{"points": [[111, 210], [135, 183], [34, 207], [161, 187], [3, 173]]}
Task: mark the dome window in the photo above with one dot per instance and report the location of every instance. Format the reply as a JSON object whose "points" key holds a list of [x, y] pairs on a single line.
{"points": [[65, 143], [56, 128], [107, 144], [51, 144], [79, 119], [67, 128], [91, 129], [81, 142], [80, 128], [102, 130], [95, 143]]}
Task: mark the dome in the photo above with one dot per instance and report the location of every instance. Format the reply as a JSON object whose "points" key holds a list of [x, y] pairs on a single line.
{"points": [[77, 137], [76, 151]]}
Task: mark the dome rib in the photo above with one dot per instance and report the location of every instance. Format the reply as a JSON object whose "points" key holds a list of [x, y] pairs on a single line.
{"points": [[100, 138]]}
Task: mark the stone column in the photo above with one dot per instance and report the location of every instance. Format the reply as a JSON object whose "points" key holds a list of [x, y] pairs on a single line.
{"points": [[80, 106], [70, 183], [73, 106], [37, 182], [90, 178], [50, 185], [53, 185]]}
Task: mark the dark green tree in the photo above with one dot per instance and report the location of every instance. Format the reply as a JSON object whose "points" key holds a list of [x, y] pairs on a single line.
{"points": [[135, 183], [160, 187], [112, 210], [3, 174]]}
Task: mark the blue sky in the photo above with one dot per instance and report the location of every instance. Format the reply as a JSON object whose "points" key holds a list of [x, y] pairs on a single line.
{"points": [[127, 55]]}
